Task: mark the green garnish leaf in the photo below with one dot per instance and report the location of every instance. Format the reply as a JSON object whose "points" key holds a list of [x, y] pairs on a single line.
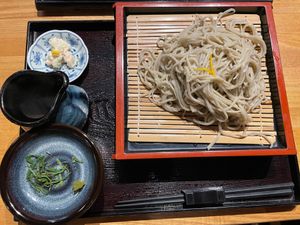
{"points": [[30, 159], [77, 185], [76, 160], [44, 177]]}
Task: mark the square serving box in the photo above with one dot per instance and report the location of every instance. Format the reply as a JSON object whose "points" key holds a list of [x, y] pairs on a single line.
{"points": [[143, 133]]}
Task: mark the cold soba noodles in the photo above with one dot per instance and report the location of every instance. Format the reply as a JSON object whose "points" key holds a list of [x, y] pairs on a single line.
{"points": [[211, 70]]}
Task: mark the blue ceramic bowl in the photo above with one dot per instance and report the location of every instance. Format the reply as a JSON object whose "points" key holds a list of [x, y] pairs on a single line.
{"points": [[37, 53], [74, 109], [61, 204]]}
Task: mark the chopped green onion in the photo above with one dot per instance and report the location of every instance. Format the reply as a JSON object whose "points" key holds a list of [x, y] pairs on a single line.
{"points": [[76, 160], [43, 177]]}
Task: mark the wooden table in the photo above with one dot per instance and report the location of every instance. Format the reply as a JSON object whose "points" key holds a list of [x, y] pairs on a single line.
{"points": [[14, 15]]}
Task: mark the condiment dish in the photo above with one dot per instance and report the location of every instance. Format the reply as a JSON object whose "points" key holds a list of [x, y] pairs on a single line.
{"points": [[57, 144], [39, 50]]}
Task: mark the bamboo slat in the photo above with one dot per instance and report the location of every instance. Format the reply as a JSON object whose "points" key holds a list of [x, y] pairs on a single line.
{"points": [[150, 18], [148, 122], [197, 139]]}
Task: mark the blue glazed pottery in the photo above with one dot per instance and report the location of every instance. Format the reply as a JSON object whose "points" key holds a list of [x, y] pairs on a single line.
{"points": [[31, 98], [61, 204], [74, 108], [37, 53]]}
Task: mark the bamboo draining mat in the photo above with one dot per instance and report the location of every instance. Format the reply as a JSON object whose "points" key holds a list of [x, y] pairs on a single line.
{"points": [[150, 123]]}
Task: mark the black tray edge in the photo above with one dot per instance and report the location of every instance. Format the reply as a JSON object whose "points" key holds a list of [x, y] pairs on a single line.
{"points": [[51, 5]]}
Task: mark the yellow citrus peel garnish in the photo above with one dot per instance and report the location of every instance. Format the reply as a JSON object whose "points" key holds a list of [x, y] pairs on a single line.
{"points": [[211, 69], [55, 53]]}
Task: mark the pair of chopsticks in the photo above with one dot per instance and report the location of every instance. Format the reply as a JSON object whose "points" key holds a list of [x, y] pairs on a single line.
{"points": [[212, 196]]}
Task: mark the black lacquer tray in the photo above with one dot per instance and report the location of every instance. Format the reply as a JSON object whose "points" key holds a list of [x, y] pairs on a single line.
{"points": [[54, 5], [145, 178]]}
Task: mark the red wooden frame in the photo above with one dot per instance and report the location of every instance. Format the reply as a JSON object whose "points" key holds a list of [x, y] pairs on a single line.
{"points": [[120, 89]]}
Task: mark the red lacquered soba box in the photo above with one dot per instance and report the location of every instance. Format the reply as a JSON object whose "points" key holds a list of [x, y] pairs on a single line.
{"points": [[145, 131]]}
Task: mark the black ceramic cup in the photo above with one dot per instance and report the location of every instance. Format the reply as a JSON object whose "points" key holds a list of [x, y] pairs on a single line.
{"points": [[31, 98]]}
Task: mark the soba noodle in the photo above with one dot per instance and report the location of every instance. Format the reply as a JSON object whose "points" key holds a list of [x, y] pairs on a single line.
{"points": [[210, 69]]}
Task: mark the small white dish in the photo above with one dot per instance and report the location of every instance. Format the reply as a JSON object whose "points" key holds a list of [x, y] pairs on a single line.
{"points": [[38, 51]]}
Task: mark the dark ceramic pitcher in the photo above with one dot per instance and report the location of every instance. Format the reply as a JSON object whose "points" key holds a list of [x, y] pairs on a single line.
{"points": [[31, 98]]}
